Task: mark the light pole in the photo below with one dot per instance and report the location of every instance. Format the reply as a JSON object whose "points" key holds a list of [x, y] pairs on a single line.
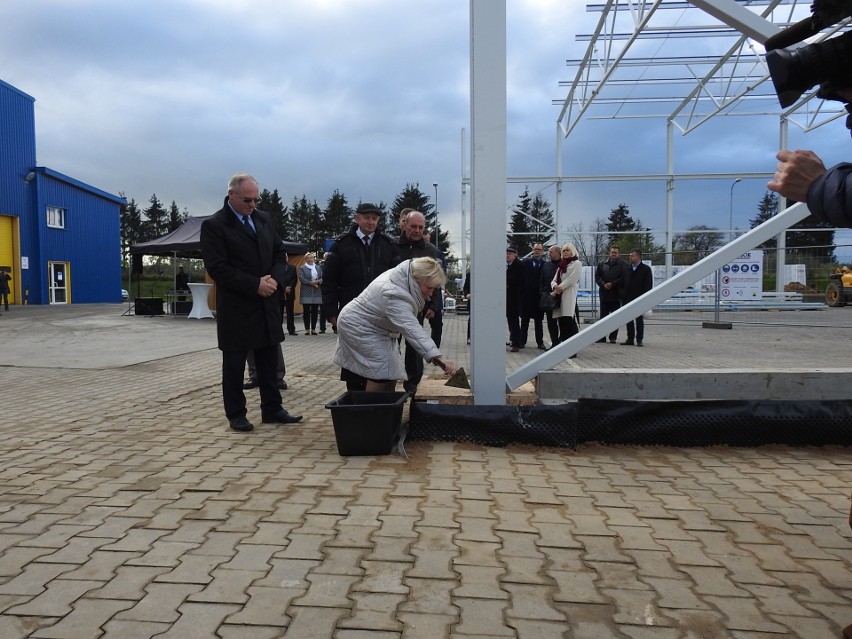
{"points": [[731, 210], [437, 230], [716, 323]]}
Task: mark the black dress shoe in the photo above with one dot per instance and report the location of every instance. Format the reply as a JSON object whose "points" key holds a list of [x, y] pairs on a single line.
{"points": [[612, 341], [627, 343], [602, 340], [241, 424], [281, 417], [252, 383], [542, 347], [282, 385], [638, 343]]}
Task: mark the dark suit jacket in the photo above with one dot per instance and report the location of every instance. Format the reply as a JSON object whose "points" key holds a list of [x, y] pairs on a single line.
{"points": [[611, 272], [514, 287], [637, 282], [236, 261]]}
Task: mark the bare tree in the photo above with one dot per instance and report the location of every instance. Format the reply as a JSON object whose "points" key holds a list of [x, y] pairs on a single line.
{"points": [[593, 245]]}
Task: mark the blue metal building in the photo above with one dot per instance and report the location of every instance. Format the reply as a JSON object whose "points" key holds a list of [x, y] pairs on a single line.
{"points": [[59, 237]]}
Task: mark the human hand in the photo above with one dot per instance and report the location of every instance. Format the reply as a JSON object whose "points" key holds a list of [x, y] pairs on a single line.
{"points": [[268, 285], [446, 365], [429, 314], [795, 173]]}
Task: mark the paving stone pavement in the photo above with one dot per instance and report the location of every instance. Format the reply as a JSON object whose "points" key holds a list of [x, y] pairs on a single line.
{"points": [[128, 509]]}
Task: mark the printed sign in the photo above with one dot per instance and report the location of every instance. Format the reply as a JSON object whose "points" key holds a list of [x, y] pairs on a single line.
{"points": [[742, 279]]}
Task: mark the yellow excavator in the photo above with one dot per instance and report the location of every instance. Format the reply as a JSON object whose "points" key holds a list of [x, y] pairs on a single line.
{"points": [[839, 289]]}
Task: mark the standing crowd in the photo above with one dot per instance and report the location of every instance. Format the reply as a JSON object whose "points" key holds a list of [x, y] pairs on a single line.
{"points": [[540, 290]]}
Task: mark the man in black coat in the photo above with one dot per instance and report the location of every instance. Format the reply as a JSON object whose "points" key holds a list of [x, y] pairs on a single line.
{"points": [[288, 297], [245, 257], [351, 263], [410, 244], [514, 291], [609, 276], [638, 280], [530, 309]]}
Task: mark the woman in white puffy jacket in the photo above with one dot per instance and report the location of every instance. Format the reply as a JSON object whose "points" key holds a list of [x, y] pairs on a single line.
{"points": [[369, 326], [565, 284]]}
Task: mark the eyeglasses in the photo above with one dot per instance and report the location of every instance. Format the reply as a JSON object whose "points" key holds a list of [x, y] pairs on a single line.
{"points": [[249, 200]]}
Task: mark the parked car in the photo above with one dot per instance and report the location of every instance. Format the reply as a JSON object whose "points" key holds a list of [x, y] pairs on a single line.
{"points": [[124, 295]]}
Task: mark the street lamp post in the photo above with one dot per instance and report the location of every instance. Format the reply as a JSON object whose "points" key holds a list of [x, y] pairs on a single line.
{"points": [[437, 231], [731, 210], [716, 323]]}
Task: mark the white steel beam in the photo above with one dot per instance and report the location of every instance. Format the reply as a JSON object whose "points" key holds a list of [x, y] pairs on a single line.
{"points": [[488, 199], [658, 295]]}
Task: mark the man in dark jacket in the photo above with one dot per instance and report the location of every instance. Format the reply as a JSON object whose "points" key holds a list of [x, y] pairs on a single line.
{"points": [[530, 309], [638, 280], [609, 276], [245, 257], [351, 263], [410, 244], [514, 291], [288, 297]]}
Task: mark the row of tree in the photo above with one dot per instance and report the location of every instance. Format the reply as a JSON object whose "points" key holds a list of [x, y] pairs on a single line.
{"points": [[532, 222], [303, 220]]}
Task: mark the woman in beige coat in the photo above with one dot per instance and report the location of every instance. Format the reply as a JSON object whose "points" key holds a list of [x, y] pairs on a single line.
{"points": [[564, 285]]}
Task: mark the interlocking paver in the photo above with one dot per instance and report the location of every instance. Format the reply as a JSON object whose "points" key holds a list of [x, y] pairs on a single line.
{"points": [[117, 519]]}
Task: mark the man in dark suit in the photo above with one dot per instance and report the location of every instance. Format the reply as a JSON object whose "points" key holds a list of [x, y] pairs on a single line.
{"points": [[609, 276], [288, 288], [638, 280], [245, 257], [514, 290], [530, 309], [353, 261]]}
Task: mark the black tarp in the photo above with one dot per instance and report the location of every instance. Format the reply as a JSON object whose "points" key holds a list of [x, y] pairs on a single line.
{"points": [[185, 241]]}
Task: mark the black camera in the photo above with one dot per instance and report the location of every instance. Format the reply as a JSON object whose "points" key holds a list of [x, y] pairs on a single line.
{"points": [[827, 63]]}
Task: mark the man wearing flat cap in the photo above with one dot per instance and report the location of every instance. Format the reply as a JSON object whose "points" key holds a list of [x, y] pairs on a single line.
{"points": [[514, 292], [354, 260]]}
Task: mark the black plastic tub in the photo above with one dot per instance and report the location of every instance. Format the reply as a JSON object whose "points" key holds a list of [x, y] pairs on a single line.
{"points": [[367, 423]]}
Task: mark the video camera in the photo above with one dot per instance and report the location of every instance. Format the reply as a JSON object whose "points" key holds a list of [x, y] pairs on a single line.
{"points": [[827, 63]]}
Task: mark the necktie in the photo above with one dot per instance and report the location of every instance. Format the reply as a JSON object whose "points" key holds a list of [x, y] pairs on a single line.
{"points": [[248, 226], [367, 241]]}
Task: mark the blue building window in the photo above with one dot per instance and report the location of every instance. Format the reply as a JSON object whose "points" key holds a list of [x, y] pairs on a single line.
{"points": [[55, 217]]}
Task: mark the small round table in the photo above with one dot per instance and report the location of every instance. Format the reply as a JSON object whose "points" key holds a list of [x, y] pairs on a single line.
{"points": [[200, 308]]}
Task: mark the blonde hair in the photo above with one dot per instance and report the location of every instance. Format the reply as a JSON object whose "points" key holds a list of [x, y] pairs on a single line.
{"points": [[428, 271], [570, 247], [313, 255]]}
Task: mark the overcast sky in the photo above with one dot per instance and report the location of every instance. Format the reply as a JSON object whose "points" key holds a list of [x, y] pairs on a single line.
{"points": [[172, 97]]}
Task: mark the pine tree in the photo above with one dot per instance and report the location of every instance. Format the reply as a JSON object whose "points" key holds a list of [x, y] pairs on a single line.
{"points": [[131, 226], [766, 209], [338, 215], [176, 218], [619, 220], [156, 220], [519, 224], [541, 225], [271, 202]]}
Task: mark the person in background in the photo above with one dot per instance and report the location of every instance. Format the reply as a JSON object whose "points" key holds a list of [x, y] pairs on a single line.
{"points": [[548, 270], [564, 285], [514, 290], [410, 244], [245, 257], [368, 328], [288, 297], [638, 280], [609, 276], [437, 322], [5, 287], [281, 371], [353, 261], [181, 284], [530, 309], [310, 277]]}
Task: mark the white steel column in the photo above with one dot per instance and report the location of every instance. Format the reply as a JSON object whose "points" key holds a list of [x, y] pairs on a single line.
{"points": [[488, 200], [670, 185], [781, 240]]}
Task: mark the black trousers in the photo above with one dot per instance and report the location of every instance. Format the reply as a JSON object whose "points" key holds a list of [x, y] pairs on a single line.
{"points": [[233, 367], [290, 312], [567, 327], [413, 364], [610, 305], [535, 314], [252, 367], [310, 312], [637, 332], [514, 322]]}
